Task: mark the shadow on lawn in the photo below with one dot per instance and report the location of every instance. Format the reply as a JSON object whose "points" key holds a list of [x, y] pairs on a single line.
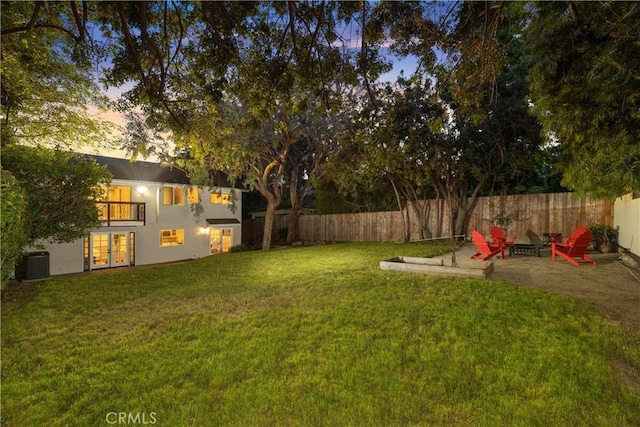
{"points": [[19, 293]]}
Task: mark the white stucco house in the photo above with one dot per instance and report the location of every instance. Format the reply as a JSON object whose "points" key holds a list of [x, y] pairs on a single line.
{"points": [[626, 216], [152, 214]]}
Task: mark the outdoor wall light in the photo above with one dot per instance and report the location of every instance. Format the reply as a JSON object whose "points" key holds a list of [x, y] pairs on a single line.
{"points": [[142, 189]]}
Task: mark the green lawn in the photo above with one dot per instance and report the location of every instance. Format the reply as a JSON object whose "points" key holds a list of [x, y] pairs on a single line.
{"points": [[309, 336]]}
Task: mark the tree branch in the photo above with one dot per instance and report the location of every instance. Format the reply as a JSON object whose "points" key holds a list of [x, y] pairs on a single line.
{"points": [[363, 59], [79, 22]]}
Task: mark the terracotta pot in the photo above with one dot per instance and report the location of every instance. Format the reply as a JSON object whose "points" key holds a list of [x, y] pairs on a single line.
{"points": [[605, 248]]}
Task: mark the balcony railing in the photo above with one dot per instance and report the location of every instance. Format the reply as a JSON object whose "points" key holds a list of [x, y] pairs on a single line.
{"points": [[111, 212]]}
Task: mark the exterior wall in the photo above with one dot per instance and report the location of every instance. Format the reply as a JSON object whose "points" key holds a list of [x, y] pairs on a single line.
{"points": [[64, 257], [626, 215], [192, 218]]}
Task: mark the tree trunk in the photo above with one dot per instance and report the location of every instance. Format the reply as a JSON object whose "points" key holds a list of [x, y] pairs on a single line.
{"points": [[440, 204], [296, 205], [425, 214], [464, 207], [403, 212], [293, 229], [422, 211], [269, 219], [274, 197], [453, 215]]}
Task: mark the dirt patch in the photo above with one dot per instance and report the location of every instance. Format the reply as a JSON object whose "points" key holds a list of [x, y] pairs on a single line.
{"points": [[18, 293], [628, 375]]}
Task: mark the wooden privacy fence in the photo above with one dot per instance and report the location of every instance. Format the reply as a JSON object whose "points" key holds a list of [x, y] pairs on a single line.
{"points": [[540, 213]]}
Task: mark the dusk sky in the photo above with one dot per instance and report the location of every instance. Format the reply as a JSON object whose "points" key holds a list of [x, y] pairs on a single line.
{"points": [[407, 65]]}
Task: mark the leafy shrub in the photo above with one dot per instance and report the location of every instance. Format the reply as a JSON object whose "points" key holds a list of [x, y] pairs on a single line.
{"points": [[238, 248], [603, 233], [14, 238]]}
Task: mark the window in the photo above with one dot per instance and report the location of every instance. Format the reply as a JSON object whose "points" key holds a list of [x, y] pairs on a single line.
{"points": [[172, 196], [193, 196], [220, 198], [115, 193], [86, 253], [119, 193], [132, 248], [171, 237], [118, 206]]}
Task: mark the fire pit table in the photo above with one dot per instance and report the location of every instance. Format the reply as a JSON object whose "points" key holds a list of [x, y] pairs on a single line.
{"points": [[524, 249]]}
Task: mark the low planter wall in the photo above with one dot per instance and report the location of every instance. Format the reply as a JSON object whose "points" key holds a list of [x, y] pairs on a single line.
{"points": [[435, 267]]}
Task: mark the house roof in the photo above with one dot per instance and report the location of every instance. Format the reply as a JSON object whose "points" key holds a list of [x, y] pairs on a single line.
{"points": [[154, 172]]}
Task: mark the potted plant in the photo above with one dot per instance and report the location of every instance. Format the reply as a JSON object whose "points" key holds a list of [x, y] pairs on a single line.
{"points": [[604, 236]]}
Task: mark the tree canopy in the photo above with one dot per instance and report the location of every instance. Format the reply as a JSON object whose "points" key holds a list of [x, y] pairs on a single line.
{"points": [[237, 84], [585, 86], [262, 91], [491, 66], [48, 92], [61, 190], [48, 81]]}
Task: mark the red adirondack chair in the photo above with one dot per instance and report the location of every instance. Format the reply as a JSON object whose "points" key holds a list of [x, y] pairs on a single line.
{"points": [[575, 247], [498, 237], [485, 250]]}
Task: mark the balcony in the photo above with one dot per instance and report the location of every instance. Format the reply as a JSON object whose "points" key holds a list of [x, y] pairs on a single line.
{"points": [[122, 213]]}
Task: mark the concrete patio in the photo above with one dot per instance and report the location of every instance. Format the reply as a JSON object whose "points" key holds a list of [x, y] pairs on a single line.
{"points": [[610, 286]]}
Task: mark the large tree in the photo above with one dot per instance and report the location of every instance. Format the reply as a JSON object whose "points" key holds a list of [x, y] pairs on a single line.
{"points": [[48, 84], [473, 131], [586, 88], [61, 189], [393, 138], [14, 237], [320, 130], [47, 195], [48, 90], [203, 69]]}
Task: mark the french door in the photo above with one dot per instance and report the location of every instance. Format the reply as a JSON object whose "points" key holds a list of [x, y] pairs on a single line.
{"points": [[110, 249], [221, 240]]}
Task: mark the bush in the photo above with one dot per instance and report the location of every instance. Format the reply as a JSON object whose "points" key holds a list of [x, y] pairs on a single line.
{"points": [[238, 248], [14, 237], [603, 234]]}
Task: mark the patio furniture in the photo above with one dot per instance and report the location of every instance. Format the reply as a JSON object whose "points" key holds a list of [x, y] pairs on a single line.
{"points": [[524, 249], [499, 237], [485, 250], [534, 239], [575, 247], [548, 238]]}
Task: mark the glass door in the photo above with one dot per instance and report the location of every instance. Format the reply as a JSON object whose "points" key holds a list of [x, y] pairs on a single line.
{"points": [[214, 241], [119, 249], [109, 249], [99, 247], [227, 241], [221, 240]]}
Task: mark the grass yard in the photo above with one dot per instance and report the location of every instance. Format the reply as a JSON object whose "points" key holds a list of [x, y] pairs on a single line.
{"points": [[309, 336]]}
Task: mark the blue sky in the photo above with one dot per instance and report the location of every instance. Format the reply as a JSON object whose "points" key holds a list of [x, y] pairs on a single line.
{"points": [[408, 65]]}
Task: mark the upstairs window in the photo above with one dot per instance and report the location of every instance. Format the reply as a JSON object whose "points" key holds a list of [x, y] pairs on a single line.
{"points": [[220, 198], [119, 193], [172, 196], [192, 196]]}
